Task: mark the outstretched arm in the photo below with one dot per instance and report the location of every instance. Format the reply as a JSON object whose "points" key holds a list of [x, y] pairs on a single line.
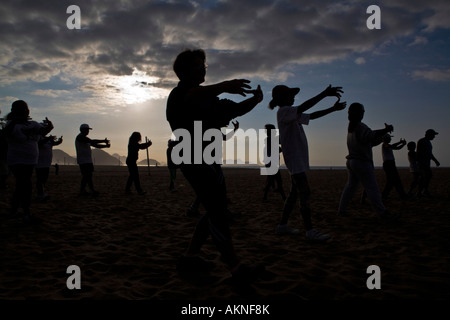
{"points": [[145, 145], [378, 134], [236, 86], [248, 104], [398, 145], [96, 143], [58, 142], [336, 107], [328, 92]]}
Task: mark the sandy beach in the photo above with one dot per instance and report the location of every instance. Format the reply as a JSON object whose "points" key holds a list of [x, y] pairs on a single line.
{"points": [[126, 246]]}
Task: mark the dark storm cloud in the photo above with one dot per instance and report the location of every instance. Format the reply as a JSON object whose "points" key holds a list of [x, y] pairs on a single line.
{"points": [[255, 38]]}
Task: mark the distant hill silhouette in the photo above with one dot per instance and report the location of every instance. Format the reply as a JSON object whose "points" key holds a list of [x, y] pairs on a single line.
{"points": [[60, 157], [99, 156], [143, 162]]}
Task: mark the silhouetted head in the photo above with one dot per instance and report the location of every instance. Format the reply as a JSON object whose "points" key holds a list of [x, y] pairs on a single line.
{"points": [[430, 134], [387, 138], [411, 146], [190, 66], [19, 111], [355, 115], [356, 112], [283, 96], [135, 136], [84, 129]]}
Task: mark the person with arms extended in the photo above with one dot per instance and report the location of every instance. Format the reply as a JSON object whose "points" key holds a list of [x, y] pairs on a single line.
{"points": [[22, 135], [189, 104], [360, 141], [294, 146], [134, 146], [83, 146]]}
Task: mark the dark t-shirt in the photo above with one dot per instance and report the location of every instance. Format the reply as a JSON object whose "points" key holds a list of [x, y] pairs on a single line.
{"points": [[424, 152], [210, 110]]}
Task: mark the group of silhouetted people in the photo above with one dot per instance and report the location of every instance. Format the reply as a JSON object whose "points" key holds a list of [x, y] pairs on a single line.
{"points": [[191, 101]]}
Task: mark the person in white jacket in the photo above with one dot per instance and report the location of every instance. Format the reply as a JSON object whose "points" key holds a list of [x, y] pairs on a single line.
{"points": [[22, 135]]}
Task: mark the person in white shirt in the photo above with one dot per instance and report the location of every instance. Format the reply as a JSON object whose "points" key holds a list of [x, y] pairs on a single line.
{"points": [[22, 135], [294, 146], [360, 141], [84, 157]]}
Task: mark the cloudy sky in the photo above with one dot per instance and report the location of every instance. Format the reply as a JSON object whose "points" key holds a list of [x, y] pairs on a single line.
{"points": [[115, 73]]}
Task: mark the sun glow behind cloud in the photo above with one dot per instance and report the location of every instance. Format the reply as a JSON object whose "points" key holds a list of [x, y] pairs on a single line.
{"points": [[126, 90]]}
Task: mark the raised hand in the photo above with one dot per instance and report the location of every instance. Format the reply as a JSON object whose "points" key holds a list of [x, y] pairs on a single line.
{"points": [[258, 94], [389, 127], [237, 86], [333, 91], [339, 105]]}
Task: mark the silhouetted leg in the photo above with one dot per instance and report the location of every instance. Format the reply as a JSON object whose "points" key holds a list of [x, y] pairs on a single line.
{"points": [[130, 179], [280, 185], [367, 177], [398, 183], [301, 183], [290, 202], [40, 182], [414, 182], [390, 177], [350, 188], [209, 186], [23, 191]]}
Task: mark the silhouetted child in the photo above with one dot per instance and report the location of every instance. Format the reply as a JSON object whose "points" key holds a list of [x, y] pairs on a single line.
{"points": [[295, 151], [413, 167], [424, 157], [190, 102], [170, 165], [360, 141], [22, 136], [134, 146], [390, 168], [83, 146], [273, 181], [46, 144]]}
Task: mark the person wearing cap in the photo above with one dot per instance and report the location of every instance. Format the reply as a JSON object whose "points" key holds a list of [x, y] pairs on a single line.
{"points": [[424, 157], [83, 146], [22, 136], [360, 141], [295, 151], [390, 169]]}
